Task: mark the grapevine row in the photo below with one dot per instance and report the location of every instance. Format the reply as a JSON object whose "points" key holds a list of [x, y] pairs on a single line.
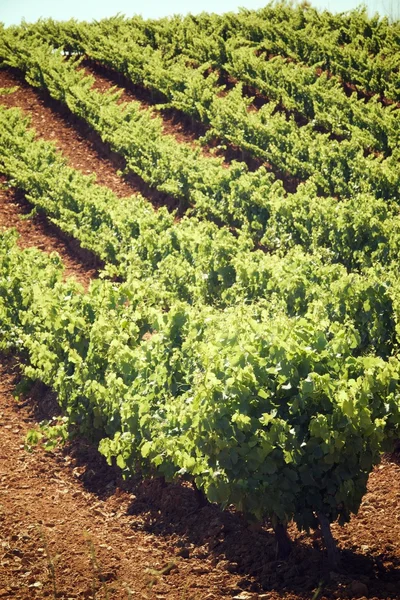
{"points": [[298, 152], [357, 233], [319, 99], [364, 53], [270, 413]]}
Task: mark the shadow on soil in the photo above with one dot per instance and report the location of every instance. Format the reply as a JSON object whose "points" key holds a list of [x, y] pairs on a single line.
{"points": [[197, 529]]}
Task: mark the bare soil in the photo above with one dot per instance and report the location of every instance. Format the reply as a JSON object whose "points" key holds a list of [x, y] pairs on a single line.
{"points": [[35, 231]]}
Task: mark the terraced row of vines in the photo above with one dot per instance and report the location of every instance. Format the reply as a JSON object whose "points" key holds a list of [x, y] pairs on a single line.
{"points": [[243, 332]]}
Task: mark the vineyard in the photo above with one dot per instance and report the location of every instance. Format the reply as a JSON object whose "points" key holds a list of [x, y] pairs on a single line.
{"points": [[199, 259]]}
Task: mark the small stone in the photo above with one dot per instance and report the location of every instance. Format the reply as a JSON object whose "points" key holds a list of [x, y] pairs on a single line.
{"points": [[200, 553], [108, 575], [200, 570], [37, 584], [358, 589], [245, 596]]}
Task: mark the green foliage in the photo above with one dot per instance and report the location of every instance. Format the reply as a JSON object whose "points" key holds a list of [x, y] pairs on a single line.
{"points": [[252, 345], [266, 134], [197, 182], [50, 435], [280, 415], [5, 91]]}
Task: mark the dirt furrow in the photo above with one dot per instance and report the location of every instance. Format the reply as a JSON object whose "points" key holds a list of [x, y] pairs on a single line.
{"points": [[82, 147], [86, 154], [36, 231], [54, 127], [175, 123], [182, 127]]}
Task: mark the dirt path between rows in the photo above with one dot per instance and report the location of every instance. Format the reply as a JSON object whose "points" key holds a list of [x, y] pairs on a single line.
{"points": [[66, 509], [35, 231], [175, 123], [53, 127], [80, 145]]}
